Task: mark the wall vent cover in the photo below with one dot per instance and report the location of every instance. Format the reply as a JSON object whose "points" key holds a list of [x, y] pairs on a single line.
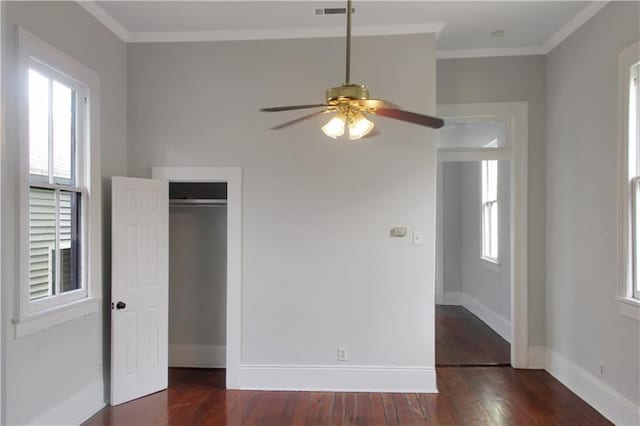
{"points": [[322, 11]]}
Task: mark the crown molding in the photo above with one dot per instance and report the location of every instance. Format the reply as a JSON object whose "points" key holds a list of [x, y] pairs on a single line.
{"points": [[284, 33], [324, 32], [569, 28], [105, 18], [574, 23], [486, 53]]}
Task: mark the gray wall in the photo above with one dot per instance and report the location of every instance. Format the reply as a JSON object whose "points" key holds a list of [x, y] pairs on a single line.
{"points": [[583, 321], [489, 287], [45, 368], [464, 271], [197, 276], [319, 267], [503, 79], [451, 223]]}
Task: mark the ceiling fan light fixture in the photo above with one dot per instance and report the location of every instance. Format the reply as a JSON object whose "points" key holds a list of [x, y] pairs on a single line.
{"points": [[335, 126], [359, 126]]}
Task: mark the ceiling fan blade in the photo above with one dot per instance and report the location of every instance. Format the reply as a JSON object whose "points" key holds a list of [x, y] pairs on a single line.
{"points": [[298, 120], [375, 103], [292, 107], [411, 117]]}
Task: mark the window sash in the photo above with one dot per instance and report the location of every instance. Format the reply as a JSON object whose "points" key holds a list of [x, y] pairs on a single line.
{"points": [[56, 296]]}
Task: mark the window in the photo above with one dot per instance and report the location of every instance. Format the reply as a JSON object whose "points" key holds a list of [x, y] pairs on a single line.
{"points": [[629, 181], [60, 180], [633, 178], [489, 210], [56, 189]]}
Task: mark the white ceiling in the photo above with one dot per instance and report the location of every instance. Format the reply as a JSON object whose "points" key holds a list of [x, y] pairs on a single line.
{"points": [[464, 27]]}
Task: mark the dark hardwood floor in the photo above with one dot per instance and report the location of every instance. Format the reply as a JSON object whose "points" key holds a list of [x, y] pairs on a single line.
{"points": [[463, 339], [468, 396]]}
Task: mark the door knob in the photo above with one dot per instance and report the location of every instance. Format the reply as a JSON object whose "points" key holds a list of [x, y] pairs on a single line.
{"points": [[121, 305]]}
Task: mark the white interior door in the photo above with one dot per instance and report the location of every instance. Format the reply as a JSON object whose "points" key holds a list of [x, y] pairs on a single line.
{"points": [[139, 287]]}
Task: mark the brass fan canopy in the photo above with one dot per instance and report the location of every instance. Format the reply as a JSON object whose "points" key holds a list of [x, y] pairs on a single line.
{"points": [[347, 92]]}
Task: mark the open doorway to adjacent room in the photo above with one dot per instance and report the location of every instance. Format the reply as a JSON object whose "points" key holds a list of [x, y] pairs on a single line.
{"points": [[473, 325], [481, 233]]}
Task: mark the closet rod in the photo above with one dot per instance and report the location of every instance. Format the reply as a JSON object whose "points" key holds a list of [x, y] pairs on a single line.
{"points": [[195, 202]]}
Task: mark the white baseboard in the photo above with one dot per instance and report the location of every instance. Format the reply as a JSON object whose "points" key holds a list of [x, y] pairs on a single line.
{"points": [[451, 298], [499, 324], [537, 357], [76, 409], [202, 356], [594, 391], [333, 378]]}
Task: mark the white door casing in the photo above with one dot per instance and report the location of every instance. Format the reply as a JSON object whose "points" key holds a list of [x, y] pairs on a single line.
{"points": [[140, 280]]}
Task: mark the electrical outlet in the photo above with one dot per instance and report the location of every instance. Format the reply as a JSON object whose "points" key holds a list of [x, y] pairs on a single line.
{"points": [[342, 353], [99, 367], [602, 369]]}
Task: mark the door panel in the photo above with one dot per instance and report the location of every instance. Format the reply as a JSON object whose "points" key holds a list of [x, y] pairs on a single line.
{"points": [[140, 279]]}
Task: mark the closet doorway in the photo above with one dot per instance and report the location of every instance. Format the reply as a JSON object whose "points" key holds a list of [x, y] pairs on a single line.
{"points": [[205, 234], [197, 274]]}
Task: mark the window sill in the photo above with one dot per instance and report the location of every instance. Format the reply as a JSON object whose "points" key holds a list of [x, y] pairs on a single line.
{"points": [[629, 307], [56, 316], [490, 264]]}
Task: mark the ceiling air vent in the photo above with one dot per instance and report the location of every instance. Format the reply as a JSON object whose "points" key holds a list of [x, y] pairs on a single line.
{"points": [[321, 11]]}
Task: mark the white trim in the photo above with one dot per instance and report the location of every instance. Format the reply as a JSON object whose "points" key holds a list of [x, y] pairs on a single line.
{"points": [[489, 52], [451, 298], [594, 391], [491, 264], [498, 323], [76, 409], [56, 316], [32, 49], [283, 33], [3, 345], [233, 177], [537, 357], [515, 114], [105, 19], [473, 154], [440, 276], [198, 356], [576, 22], [629, 307], [333, 378]]}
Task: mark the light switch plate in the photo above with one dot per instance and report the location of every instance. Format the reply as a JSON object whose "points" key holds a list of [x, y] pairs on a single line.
{"points": [[417, 238]]}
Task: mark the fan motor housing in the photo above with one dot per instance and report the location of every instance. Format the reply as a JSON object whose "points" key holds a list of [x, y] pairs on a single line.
{"points": [[347, 92]]}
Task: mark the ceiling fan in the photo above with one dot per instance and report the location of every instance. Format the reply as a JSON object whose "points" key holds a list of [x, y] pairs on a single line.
{"points": [[351, 104]]}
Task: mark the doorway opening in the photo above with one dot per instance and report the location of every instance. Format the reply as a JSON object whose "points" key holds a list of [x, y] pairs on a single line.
{"points": [[473, 312], [228, 179], [477, 134], [197, 276]]}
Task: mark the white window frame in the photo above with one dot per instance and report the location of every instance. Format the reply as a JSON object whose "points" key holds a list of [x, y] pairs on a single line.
{"points": [[628, 167], [494, 261], [33, 316]]}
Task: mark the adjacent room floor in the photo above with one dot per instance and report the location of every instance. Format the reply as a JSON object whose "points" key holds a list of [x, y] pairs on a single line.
{"points": [[462, 339], [477, 395]]}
